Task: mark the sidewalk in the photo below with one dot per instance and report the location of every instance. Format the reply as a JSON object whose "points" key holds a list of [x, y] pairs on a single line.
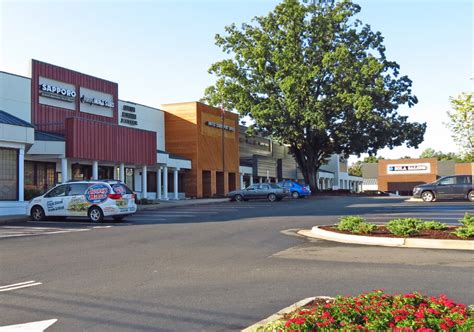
{"points": [[184, 202], [160, 205]]}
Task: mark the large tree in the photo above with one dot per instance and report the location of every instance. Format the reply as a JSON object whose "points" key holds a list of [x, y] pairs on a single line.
{"points": [[316, 79], [462, 123]]}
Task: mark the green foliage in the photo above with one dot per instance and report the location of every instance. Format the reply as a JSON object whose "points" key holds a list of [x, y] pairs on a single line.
{"points": [[378, 311], [461, 123], [467, 230], [355, 224], [356, 168], [431, 153], [404, 226], [317, 79], [432, 225]]}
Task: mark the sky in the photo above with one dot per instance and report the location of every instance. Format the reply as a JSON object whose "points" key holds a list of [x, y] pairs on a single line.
{"points": [[159, 51]]}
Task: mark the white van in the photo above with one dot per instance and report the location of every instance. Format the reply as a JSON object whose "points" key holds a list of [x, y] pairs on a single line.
{"points": [[92, 199]]}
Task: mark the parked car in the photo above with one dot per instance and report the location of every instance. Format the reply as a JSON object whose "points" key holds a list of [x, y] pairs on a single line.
{"points": [[457, 186], [92, 199], [295, 189], [270, 191]]}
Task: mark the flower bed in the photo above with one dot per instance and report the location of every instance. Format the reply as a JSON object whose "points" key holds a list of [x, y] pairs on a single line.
{"points": [[406, 227], [378, 311]]}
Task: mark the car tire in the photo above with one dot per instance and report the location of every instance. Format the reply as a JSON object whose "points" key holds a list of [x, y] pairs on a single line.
{"points": [[427, 196], [37, 213], [470, 196], [272, 197], [295, 194], [95, 214], [238, 198], [118, 218]]}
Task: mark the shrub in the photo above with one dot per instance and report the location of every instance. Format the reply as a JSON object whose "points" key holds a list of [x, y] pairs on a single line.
{"points": [[377, 311], [432, 225], [467, 230], [355, 224], [404, 226]]}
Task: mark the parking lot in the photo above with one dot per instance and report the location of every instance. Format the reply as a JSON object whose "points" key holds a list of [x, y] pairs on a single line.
{"points": [[213, 267]]}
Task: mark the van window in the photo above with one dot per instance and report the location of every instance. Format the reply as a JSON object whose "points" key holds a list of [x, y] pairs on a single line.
{"points": [[447, 181], [59, 191], [120, 188], [463, 180], [77, 189]]}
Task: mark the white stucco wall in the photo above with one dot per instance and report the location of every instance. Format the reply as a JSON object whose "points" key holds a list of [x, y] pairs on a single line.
{"points": [[15, 95], [148, 118]]}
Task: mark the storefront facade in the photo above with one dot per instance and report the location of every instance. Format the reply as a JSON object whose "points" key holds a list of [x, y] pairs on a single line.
{"points": [[62, 125], [196, 131], [403, 175]]}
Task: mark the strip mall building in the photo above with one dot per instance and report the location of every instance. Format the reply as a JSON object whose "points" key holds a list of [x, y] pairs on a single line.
{"points": [[403, 175], [62, 125]]}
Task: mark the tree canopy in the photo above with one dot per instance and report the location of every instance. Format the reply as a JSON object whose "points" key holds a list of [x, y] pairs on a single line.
{"points": [[432, 153], [317, 79], [462, 123]]}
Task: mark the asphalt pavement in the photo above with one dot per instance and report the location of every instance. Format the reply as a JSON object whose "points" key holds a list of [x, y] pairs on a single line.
{"points": [[215, 267]]}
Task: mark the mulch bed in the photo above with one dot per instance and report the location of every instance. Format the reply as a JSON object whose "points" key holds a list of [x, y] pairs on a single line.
{"points": [[382, 231]]}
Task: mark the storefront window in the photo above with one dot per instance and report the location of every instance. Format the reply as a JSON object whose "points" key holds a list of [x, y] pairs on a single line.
{"points": [[129, 178], [8, 174], [39, 176]]}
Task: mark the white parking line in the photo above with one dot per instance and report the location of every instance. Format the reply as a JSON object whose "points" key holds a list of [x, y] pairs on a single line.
{"points": [[19, 285], [38, 326]]}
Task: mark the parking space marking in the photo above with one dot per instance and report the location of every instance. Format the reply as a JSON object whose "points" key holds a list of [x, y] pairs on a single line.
{"points": [[19, 285], [38, 326], [21, 231]]}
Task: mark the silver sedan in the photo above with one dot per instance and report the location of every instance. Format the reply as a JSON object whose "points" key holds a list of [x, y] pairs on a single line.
{"points": [[269, 191]]}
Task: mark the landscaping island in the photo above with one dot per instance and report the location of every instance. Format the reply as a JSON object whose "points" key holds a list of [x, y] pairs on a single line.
{"points": [[375, 311], [407, 232]]}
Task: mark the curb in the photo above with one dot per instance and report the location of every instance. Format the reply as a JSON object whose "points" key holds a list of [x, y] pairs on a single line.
{"points": [[317, 232], [412, 199], [172, 205], [255, 327], [13, 218]]}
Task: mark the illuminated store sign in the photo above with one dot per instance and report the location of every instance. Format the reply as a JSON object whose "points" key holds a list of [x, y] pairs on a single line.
{"points": [[219, 126], [408, 168], [129, 116], [97, 101], [55, 92]]}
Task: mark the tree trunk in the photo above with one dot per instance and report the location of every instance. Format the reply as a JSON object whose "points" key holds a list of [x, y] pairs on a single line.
{"points": [[309, 166]]}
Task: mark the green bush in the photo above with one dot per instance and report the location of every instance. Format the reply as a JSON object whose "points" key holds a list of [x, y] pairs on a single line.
{"points": [[355, 224], [467, 230], [404, 226], [432, 225]]}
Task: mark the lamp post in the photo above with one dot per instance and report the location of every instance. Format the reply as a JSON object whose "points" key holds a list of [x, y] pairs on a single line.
{"points": [[223, 149]]}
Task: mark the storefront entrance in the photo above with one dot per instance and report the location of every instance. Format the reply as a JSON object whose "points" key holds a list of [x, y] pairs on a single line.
{"points": [[220, 184], [8, 174], [206, 184]]}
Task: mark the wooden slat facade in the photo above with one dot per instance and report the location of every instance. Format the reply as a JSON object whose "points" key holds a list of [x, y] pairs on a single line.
{"points": [[188, 134]]}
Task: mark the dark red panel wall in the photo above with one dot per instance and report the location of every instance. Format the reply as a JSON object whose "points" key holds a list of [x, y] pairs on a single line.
{"points": [[50, 118], [94, 140]]}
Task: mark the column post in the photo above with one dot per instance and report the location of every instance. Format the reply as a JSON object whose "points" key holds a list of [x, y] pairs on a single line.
{"points": [[242, 181], [158, 183], [64, 175], [21, 174], [95, 170], [251, 179], [175, 183], [144, 181], [122, 172], [165, 183]]}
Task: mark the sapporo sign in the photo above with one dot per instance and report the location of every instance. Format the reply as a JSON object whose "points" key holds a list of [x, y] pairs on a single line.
{"points": [[56, 92], [408, 168]]}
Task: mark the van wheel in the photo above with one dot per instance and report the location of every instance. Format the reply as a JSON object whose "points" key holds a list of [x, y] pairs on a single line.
{"points": [[470, 196], [427, 196], [272, 197], [95, 214], [37, 213], [295, 194]]}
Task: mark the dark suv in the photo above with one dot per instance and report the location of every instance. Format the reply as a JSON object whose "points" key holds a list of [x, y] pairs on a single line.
{"points": [[457, 186]]}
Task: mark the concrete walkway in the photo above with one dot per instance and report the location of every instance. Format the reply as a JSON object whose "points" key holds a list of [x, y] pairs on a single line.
{"points": [[160, 205]]}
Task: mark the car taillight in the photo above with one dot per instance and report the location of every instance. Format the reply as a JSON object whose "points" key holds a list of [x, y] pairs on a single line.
{"points": [[115, 196]]}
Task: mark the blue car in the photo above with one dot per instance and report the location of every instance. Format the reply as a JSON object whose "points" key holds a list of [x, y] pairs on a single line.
{"points": [[296, 190]]}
